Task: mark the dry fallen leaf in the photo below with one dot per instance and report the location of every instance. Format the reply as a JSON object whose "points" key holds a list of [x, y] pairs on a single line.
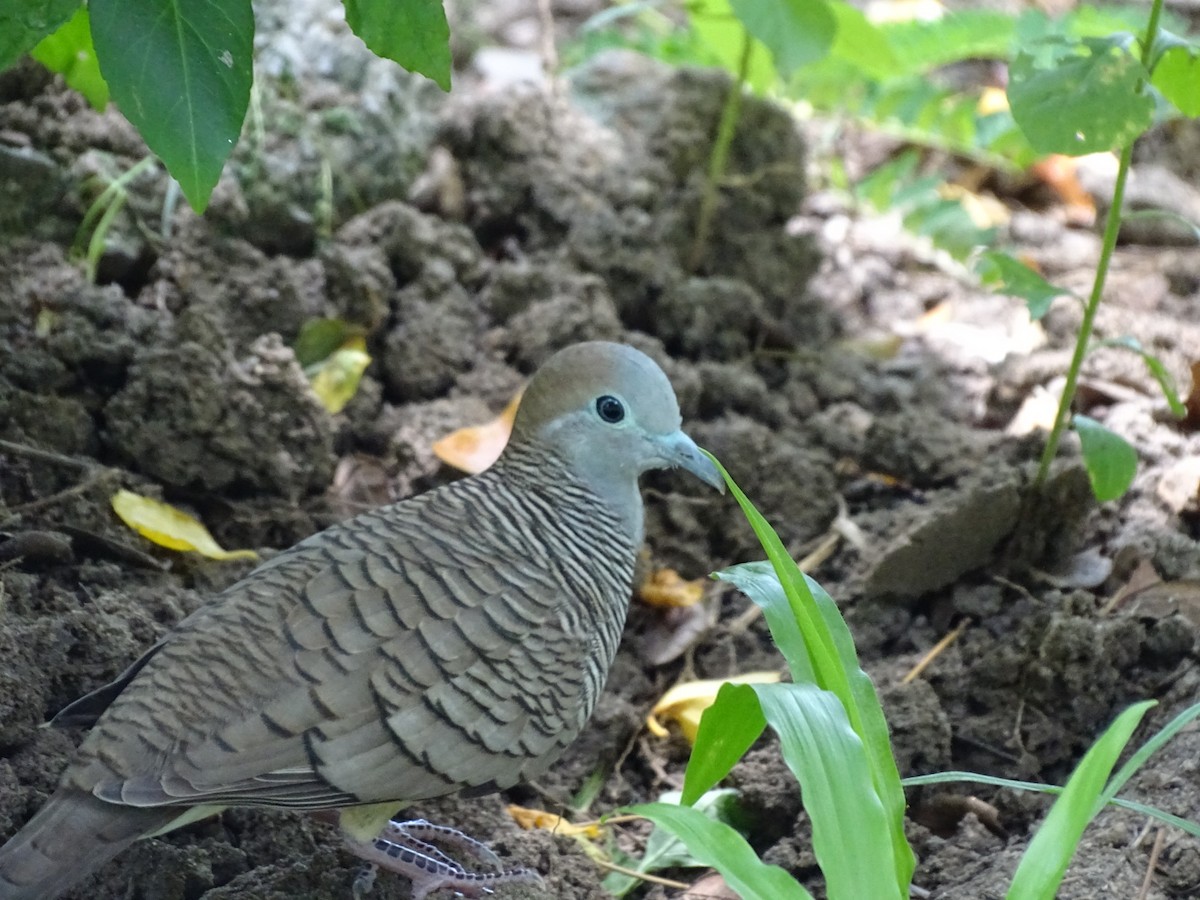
{"points": [[1144, 575], [1038, 410], [1060, 174], [984, 210], [169, 527], [1167, 598], [685, 703], [1179, 484], [710, 887], [942, 814], [675, 631], [1191, 422], [475, 448], [992, 99], [548, 821], [665, 588], [335, 379]]}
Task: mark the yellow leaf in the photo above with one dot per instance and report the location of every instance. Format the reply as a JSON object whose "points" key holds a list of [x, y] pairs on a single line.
{"points": [[548, 821], [473, 449], [335, 379], [992, 100], [169, 527], [685, 703], [665, 588]]}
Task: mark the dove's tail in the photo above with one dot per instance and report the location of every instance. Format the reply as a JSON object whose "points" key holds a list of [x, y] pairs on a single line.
{"points": [[72, 835]]}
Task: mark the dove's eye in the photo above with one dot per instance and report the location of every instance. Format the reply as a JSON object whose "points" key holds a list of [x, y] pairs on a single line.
{"points": [[610, 409]]}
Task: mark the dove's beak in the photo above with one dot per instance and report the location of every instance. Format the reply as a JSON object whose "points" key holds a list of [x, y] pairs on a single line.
{"points": [[680, 451]]}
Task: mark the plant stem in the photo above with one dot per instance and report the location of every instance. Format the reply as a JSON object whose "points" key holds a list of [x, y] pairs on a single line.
{"points": [[1112, 228], [720, 155]]}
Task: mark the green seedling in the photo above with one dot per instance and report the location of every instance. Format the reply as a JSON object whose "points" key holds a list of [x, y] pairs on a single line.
{"points": [[99, 218], [833, 737]]}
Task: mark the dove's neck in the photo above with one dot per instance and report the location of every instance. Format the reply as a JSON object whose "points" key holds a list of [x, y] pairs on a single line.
{"points": [[576, 486]]}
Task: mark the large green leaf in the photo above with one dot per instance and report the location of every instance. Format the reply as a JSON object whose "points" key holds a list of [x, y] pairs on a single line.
{"points": [[70, 53], [715, 844], [23, 23], [1078, 97], [727, 730], [1110, 460], [797, 32], [1177, 76], [861, 44], [921, 46], [719, 30], [180, 70], [413, 33], [830, 762], [1045, 860]]}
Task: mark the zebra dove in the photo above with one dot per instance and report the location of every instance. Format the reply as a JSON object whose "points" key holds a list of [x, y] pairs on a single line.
{"points": [[453, 642]]}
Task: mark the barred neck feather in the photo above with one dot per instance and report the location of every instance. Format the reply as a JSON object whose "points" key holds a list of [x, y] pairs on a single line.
{"points": [[533, 468]]}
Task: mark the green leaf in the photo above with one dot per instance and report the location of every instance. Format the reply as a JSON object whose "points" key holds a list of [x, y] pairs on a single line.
{"points": [[664, 849], [1012, 276], [758, 581], [860, 43], [1148, 749], [1079, 97], [830, 762], [1037, 787], [1177, 77], [413, 33], [69, 52], [920, 46], [727, 730], [319, 338], [24, 23], [181, 73], [1110, 460], [1045, 860], [1157, 369], [717, 28], [797, 32], [718, 845]]}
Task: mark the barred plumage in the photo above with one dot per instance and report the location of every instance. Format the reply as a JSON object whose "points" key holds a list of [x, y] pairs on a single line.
{"points": [[457, 641]]}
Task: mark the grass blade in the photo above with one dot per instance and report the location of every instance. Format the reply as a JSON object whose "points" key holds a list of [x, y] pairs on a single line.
{"points": [[1045, 860]]}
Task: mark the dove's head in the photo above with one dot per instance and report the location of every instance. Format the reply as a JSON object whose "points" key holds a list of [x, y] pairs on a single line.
{"points": [[610, 413]]}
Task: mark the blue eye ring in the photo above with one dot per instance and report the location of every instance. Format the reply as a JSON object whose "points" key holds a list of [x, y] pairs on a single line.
{"points": [[610, 409]]}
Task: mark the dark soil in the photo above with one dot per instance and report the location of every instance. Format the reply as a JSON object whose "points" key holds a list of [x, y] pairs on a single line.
{"points": [[472, 236]]}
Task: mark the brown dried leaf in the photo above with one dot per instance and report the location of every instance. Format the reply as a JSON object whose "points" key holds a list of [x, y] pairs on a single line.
{"points": [[473, 449], [710, 887], [1191, 421], [1143, 576], [1059, 173], [942, 814], [530, 819], [666, 588], [1168, 598], [686, 702], [676, 631]]}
